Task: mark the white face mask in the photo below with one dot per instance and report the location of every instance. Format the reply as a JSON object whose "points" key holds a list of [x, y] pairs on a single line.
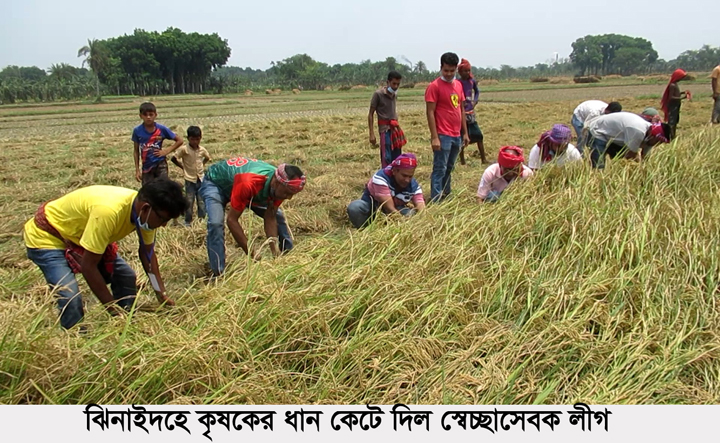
{"points": [[446, 80], [144, 226], [391, 90]]}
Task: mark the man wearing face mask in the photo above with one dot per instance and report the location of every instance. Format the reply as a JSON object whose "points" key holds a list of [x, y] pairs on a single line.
{"points": [[500, 175], [446, 120], [247, 183], [392, 138], [78, 233]]}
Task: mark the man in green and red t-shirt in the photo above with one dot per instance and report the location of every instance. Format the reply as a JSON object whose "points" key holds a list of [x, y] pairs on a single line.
{"points": [[243, 183], [446, 119]]}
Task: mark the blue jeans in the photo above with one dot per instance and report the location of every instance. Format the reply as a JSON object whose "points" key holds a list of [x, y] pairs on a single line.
{"points": [[191, 195], [215, 203], [443, 164], [578, 125], [361, 212], [59, 276], [493, 196]]}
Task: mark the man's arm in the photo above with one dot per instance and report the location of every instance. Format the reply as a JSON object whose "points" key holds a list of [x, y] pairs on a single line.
{"points": [[476, 93], [178, 142], [95, 280], [463, 122], [271, 229], [176, 162], [206, 157], [434, 139], [152, 268], [136, 157], [715, 88], [371, 122], [388, 204], [233, 224]]}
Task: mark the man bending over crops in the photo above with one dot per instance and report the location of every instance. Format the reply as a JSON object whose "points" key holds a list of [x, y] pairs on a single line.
{"points": [[392, 138], [587, 111], [247, 183], [77, 233], [623, 133], [390, 189], [498, 176]]}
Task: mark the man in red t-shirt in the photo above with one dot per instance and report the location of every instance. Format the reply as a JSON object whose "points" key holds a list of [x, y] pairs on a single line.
{"points": [[446, 119]]}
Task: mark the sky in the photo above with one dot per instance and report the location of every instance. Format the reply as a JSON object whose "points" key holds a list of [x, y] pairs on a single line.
{"points": [[515, 32]]}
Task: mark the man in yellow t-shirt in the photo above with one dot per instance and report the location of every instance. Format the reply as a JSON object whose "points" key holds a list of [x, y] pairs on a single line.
{"points": [[716, 94], [77, 233]]}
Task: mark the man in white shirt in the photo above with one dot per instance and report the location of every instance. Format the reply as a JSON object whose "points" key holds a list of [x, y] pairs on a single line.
{"points": [[587, 111], [554, 145], [623, 132]]}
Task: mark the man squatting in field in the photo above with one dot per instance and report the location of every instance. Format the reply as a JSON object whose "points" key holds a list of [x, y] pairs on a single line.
{"points": [[472, 96], [446, 121], [623, 132], [392, 138], [588, 110], [498, 176], [247, 183], [389, 189], [77, 233], [148, 139]]}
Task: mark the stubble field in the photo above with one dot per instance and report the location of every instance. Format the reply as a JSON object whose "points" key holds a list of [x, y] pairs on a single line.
{"points": [[577, 286]]}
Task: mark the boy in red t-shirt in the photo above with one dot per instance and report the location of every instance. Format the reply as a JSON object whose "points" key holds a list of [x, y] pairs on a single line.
{"points": [[446, 119]]}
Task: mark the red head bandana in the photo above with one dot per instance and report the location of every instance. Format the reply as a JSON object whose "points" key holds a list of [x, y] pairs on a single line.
{"points": [[676, 76], [656, 130], [295, 185], [404, 161], [464, 64], [508, 159]]}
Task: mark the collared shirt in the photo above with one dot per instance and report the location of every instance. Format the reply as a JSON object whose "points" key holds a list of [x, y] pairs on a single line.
{"points": [[384, 104], [493, 180], [193, 162]]}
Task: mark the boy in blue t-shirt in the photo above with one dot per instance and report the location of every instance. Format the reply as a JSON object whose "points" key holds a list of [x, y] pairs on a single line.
{"points": [[148, 138]]}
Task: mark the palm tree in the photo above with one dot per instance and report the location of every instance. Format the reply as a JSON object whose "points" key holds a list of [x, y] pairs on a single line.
{"points": [[95, 59]]}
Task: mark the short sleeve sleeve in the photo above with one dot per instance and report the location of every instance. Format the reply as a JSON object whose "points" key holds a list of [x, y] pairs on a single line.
{"points": [[167, 133], [534, 160], [135, 136], [148, 236], [484, 187], [374, 100], [634, 138], [431, 93]]}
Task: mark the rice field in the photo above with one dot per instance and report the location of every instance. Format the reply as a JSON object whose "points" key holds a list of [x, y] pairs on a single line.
{"points": [[578, 285]]}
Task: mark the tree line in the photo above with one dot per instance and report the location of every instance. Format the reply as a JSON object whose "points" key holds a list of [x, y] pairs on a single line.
{"points": [[175, 62]]}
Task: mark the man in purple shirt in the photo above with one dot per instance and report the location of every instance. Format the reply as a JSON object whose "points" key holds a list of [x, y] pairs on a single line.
{"points": [[472, 96]]}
